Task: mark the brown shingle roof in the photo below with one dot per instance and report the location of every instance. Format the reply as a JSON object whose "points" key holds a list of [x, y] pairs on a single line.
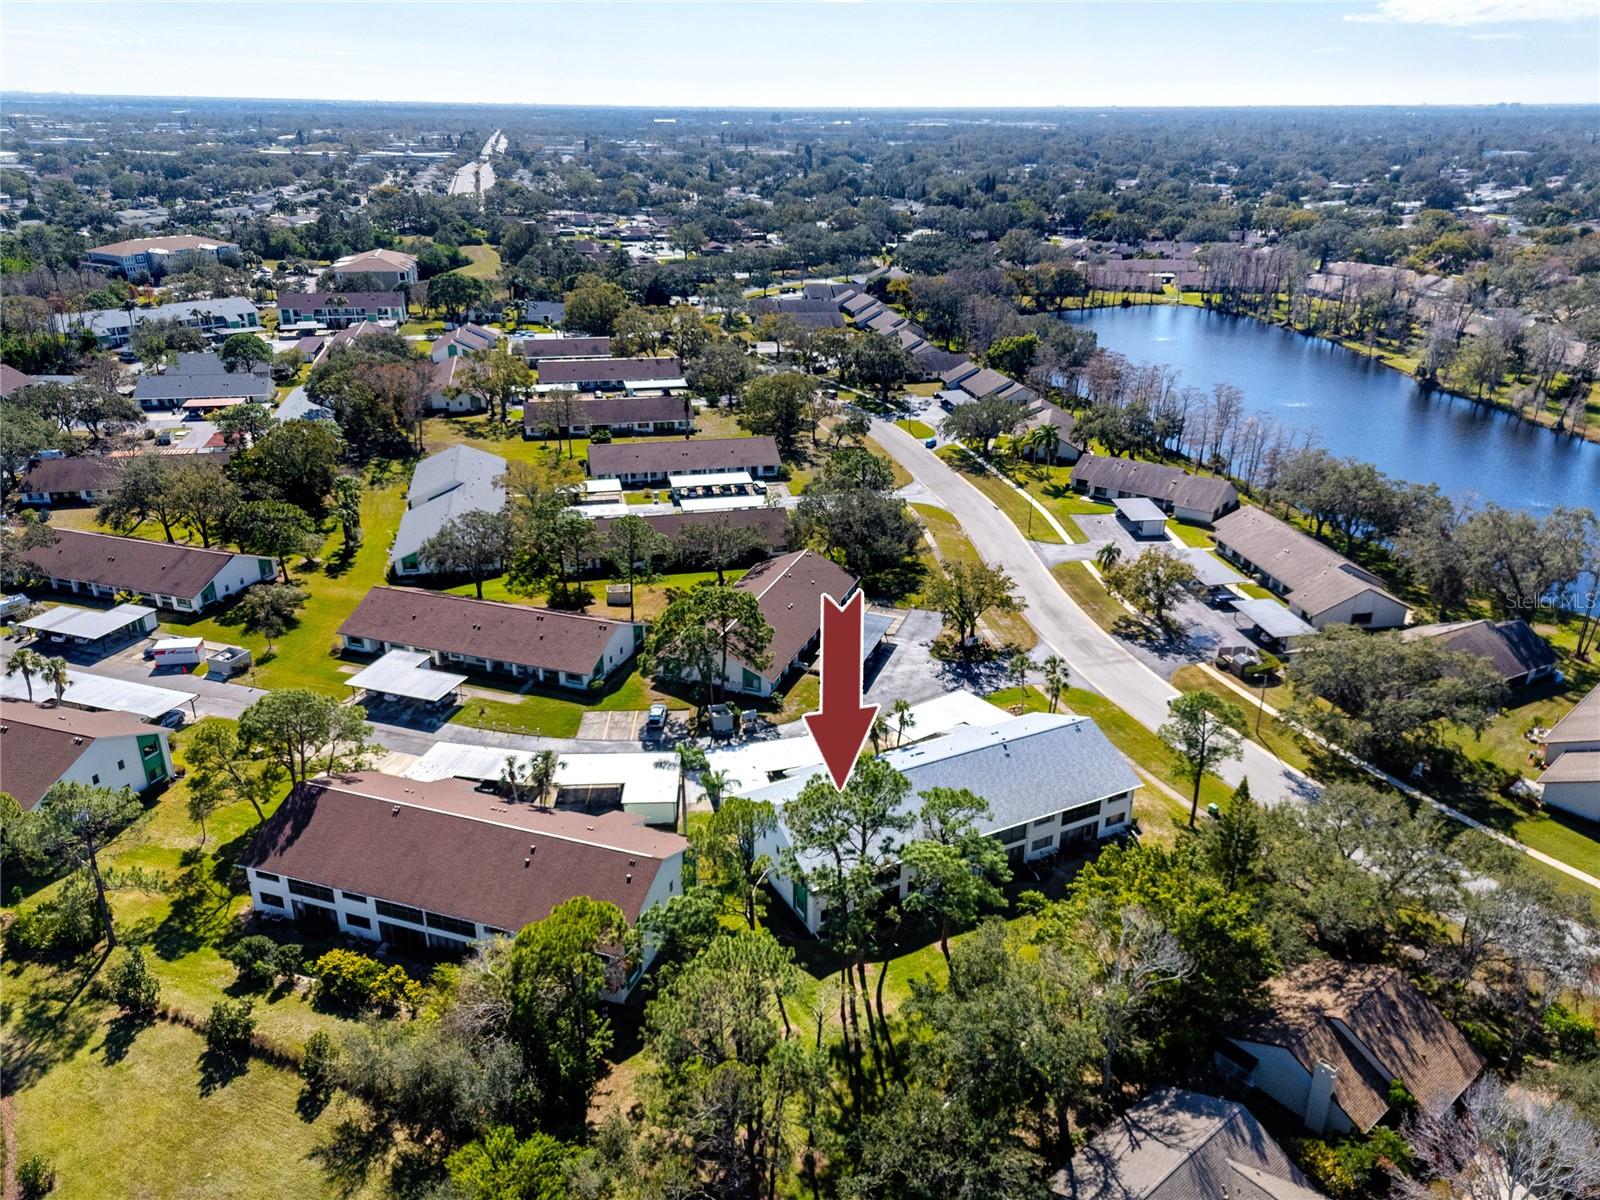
{"points": [[1580, 725], [38, 745], [666, 458], [513, 633], [446, 847], [130, 563], [1155, 481], [1349, 1015], [1510, 647], [790, 590], [12, 380], [630, 370], [80, 473], [620, 410], [772, 522], [1317, 576], [541, 348]]}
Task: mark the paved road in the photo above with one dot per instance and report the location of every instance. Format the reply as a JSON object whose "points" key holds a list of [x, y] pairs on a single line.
{"points": [[1094, 656]]}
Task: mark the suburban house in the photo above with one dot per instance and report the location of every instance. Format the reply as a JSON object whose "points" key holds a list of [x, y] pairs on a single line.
{"points": [[392, 269], [344, 339], [653, 462], [1201, 498], [952, 376], [1321, 586], [568, 650], [338, 310], [182, 578], [463, 339], [459, 480], [113, 327], [931, 362], [41, 746], [1571, 780], [1067, 449], [619, 414], [610, 374], [78, 479], [552, 345], [156, 256], [448, 387], [1182, 1145], [985, 381], [1053, 783], [436, 866], [1335, 1036], [1512, 648], [201, 381], [860, 307]]}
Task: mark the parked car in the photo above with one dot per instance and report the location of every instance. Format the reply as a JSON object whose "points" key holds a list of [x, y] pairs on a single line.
{"points": [[655, 721]]}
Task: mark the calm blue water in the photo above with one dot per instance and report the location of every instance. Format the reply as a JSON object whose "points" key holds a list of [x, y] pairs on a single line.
{"points": [[1360, 409]]}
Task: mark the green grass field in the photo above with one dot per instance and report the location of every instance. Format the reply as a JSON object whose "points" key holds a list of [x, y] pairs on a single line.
{"points": [[955, 546], [1088, 594], [1005, 497], [917, 429], [1190, 535], [1275, 736]]}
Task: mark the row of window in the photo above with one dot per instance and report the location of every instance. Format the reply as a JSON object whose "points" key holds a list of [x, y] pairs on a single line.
{"points": [[385, 908]]}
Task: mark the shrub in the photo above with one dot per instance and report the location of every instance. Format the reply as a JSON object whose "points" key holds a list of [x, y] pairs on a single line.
{"points": [[600, 436], [1266, 664], [287, 961], [36, 1177], [1324, 1167], [345, 979], [1572, 1037], [132, 985], [253, 957], [230, 1026], [64, 924], [320, 1064], [1485, 1041]]}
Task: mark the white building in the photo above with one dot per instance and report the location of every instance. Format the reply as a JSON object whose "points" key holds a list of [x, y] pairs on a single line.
{"points": [[41, 746], [182, 578]]}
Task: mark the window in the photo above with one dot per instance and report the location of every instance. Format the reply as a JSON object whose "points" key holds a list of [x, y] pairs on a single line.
{"points": [[399, 912], [153, 748], [1043, 821], [122, 764], [1082, 813], [266, 875], [452, 925], [354, 897], [1361, 619], [314, 891], [95, 779], [356, 922], [272, 899], [1043, 843], [446, 945], [1008, 837]]}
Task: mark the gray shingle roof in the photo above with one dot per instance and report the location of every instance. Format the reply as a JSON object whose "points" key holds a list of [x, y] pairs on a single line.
{"points": [[197, 379], [459, 480], [1156, 482]]}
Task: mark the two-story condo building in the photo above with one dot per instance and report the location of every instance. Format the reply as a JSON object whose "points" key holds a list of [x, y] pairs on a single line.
{"points": [[113, 327], [41, 746], [391, 268], [338, 310], [156, 256]]}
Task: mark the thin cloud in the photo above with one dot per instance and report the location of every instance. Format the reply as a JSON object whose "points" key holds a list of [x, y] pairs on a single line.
{"points": [[1474, 12]]}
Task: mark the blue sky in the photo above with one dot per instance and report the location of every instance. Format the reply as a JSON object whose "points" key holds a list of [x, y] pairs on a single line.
{"points": [[857, 54]]}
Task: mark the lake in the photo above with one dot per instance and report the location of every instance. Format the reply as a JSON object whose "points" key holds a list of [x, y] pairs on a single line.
{"points": [[1359, 408]]}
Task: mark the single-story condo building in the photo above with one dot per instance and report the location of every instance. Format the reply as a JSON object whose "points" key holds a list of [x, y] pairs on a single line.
{"points": [[201, 381], [464, 339], [1201, 498], [568, 650], [338, 310], [620, 414], [433, 867], [1053, 782], [74, 479], [1320, 585], [653, 462], [113, 327], [156, 256], [443, 487], [392, 269], [182, 578], [450, 388], [1333, 1038], [552, 345], [42, 746], [1512, 648], [610, 374]]}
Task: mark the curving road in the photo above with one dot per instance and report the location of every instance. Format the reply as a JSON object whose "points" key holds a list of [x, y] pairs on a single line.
{"points": [[1095, 657]]}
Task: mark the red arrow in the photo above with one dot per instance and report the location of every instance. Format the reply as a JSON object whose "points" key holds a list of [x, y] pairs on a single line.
{"points": [[841, 726]]}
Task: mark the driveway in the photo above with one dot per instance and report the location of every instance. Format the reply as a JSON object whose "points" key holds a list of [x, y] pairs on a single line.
{"points": [[1095, 658], [904, 667]]}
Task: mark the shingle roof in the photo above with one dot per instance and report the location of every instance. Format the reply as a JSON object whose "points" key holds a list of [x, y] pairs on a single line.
{"points": [[79, 473], [985, 382], [789, 589], [12, 380], [545, 347], [199, 382], [629, 370], [38, 745], [1317, 576], [448, 848], [459, 480], [1157, 482], [513, 633], [620, 410], [773, 523], [1582, 724], [1575, 766], [130, 563], [1182, 1145], [1350, 1015], [375, 261], [175, 243], [662, 458], [1511, 647]]}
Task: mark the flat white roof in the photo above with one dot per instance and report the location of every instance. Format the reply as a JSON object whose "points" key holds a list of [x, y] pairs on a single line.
{"points": [[1272, 618], [645, 778], [1210, 570], [1137, 508], [102, 692], [88, 623], [720, 503], [711, 479], [595, 487], [179, 643], [406, 673]]}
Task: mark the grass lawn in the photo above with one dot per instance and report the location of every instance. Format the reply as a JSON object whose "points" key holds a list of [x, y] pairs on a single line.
{"points": [[1190, 535], [546, 712], [1052, 487], [1143, 748], [1005, 497], [902, 477], [1087, 593], [955, 546], [485, 263], [1274, 735], [917, 429]]}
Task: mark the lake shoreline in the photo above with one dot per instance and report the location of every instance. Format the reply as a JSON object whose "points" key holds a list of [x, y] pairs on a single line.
{"points": [[1590, 433]]}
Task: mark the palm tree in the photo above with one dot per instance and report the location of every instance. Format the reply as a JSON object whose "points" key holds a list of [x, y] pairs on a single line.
{"points": [[878, 732], [904, 719], [1055, 679], [1044, 441], [27, 663], [54, 672], [690, 758], [1108, 556], [1018, 669], [716, 785], [542, 774], [516, 775]]}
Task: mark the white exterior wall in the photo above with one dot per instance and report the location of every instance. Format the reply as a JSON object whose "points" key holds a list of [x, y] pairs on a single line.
{"points": [[115, 762], [1201, 516], [464, 402], [1386, 613], [1574, 796], [618, 650], [1279, 1074]]}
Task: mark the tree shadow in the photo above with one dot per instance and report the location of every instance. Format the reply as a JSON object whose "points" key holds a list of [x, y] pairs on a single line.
{"points": [[49, 1026], [197, 915], [219, 1068], [120, 1035], [312, 1102], [350, 1153]]}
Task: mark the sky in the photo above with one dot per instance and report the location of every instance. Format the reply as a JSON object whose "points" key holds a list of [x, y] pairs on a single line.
{"points": [[845, 53]]}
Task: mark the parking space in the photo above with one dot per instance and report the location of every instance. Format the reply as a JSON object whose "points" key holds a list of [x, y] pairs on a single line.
{"points": [[1106, 528], [612, 726], [904, 667]]}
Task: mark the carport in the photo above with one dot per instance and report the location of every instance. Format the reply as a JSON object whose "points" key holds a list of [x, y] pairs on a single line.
{"points": [[100, 693], [92, 627], [1274, 624], [1141, 517], [406, 675]]}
